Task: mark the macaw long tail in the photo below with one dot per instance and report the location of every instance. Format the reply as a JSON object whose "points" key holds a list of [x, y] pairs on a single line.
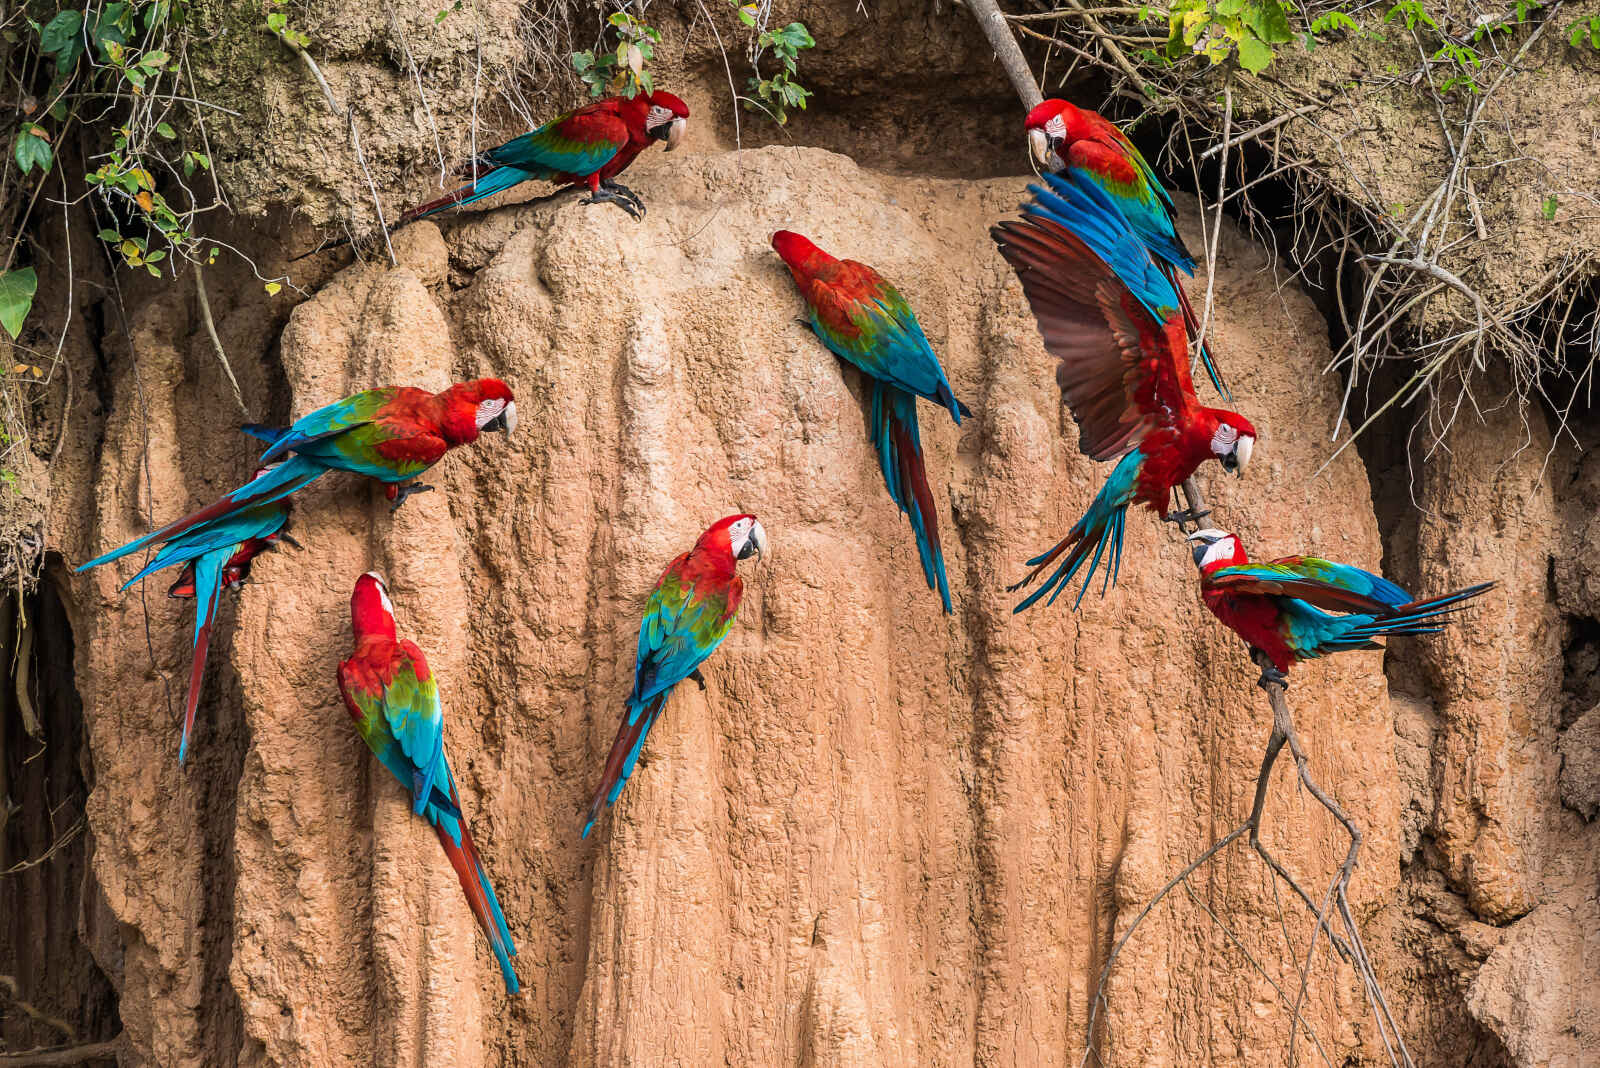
{"points": [[463, 853], [282, 480], [894, 431], [208, 592], [487, 184], [624, 754], [1418, 617], [1191, 325], [1101, 528]]}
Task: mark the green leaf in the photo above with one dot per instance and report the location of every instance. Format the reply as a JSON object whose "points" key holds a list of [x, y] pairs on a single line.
{"points": [[1254, 55], [60, 32], [32, 149], [1269, 22], [16, 298], [1229, 7], [166, 131], [109, 235], [1549, 207]]}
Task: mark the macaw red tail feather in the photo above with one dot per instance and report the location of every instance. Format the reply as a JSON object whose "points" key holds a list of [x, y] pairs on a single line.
{"points": [[480, 893], [894, 429], [624, 753], [207, 608]]}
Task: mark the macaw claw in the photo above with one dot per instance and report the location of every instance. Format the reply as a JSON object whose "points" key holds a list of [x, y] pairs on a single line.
{"points": [[1271, 676], [697, 677], [405, 491], [607, 195], [1188, 515], [624, 191]]}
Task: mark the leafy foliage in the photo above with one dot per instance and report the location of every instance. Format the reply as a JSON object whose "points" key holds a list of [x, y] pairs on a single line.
{"points": [[1218, 29], [777, 94], [16, 297], [620, 70]]}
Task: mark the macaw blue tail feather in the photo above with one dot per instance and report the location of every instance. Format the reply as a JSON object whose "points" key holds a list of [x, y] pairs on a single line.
{"points": [[207, 594], [899, 445], [486, 185], [276, 484], [463, 853], [1100, 531], [1419, 617]]}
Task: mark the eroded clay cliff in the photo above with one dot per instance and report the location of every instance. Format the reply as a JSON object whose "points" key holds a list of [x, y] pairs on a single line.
{"points": [[881, 836]]}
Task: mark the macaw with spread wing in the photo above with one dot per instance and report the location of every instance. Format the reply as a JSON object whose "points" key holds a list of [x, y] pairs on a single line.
{"points": [[686, 618], [589, 146], [1064, 137], [394, 700], [861, 318], [1111, 319], [1283, 609], [391, 434]]}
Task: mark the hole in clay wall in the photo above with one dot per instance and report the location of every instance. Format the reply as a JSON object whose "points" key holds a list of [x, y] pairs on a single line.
{"points": [[52, 991]]}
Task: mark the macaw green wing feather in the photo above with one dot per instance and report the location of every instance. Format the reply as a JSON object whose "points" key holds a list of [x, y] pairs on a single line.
{"points": [[1322, 583], [679, 630], [580, 142], [416, 719], [335, 418]]}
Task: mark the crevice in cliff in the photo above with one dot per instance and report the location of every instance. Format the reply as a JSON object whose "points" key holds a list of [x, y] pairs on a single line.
{"points": [[52, 990]]}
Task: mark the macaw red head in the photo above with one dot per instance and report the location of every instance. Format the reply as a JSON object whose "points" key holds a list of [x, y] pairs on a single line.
{"points": [[371, 611], [667, 119], [740, 536], [1216, 548], [798, 252], [1233, 440], [1050, 125], [469, 408]]}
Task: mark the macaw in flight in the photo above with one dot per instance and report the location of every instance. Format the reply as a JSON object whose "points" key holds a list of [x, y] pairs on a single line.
{"points": [[391, 434], [686, 618], [589, 146], [863, 319], [1283, 609], [1111, 319], [215, 556], [1064, 137], [394, 700]]}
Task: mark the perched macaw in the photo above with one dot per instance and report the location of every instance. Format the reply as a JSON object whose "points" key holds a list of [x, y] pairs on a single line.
{"points": [[1063, 137], [686, 618], [1123, 370], [1282, 609], [394, 701], [215, 555], [861, 318], [589, 146], [390, 434]]}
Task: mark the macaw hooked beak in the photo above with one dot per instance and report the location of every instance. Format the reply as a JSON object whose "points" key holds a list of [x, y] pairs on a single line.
{"points": [[1242, 451], [506, 420], [1039, 148], [755, 544], [675, 130], [1202, 541]]}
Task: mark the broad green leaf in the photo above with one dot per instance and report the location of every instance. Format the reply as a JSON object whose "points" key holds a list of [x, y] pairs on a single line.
{"points": [[1229, 7], [1269, 22], [1254, 55], [60, 32], [166, 131], [16, 298], [33, 149]]}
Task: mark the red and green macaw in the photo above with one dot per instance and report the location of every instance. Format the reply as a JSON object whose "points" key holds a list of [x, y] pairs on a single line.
{"points": [[1063, 137], [589, 146], [686, 618], [863, 319], [1283, 609], [215, 556], [394, 700], [391, 434], [1111, 319]]}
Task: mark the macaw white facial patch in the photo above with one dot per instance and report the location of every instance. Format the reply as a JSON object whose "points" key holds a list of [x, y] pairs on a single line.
{"points": [[488, 409]]}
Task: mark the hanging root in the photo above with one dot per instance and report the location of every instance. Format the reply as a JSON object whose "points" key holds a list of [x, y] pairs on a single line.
{"points": [[1331, 915]]}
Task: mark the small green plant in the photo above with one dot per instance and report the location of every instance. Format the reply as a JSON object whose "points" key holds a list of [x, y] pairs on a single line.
{"points": [[1585, 30], [1218, 29], [777, 94], [620, 70], [1548, 208]]}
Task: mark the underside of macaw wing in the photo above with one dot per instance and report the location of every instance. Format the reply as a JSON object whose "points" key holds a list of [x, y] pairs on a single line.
{"points": [[899, 446], [1099, 531], [208, 586], [1121, 372]]}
